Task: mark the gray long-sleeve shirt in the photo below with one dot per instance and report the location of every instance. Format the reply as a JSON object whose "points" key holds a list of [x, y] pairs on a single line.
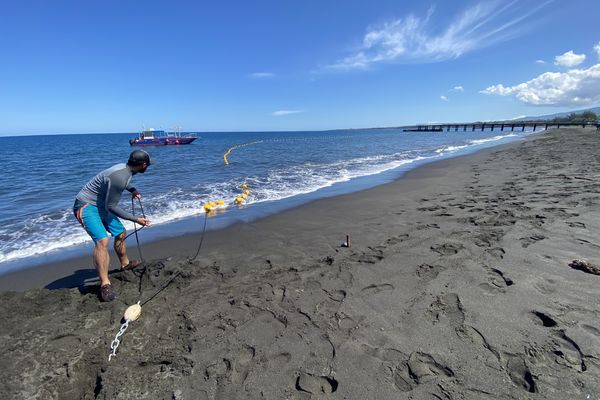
{"points": [[105, 189]]}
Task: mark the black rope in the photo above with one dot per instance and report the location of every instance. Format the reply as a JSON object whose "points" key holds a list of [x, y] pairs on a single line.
{"points": [[201, 237], [132, 233], [135, 224], [136, 230], [163, 287]]}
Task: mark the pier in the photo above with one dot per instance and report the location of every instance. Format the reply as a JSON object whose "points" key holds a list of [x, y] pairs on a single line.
{"points": [[500, 126]]}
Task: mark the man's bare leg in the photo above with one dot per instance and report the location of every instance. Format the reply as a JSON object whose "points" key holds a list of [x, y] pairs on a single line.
{"points": [[121, 248], [101, 260]]}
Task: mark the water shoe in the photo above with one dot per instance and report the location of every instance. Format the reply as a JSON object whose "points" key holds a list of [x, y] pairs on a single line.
{"points": [[133, 264], [107, 293]]}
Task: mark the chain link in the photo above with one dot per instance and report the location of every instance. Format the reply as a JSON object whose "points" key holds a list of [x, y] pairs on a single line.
{"points": [[115, 343]]}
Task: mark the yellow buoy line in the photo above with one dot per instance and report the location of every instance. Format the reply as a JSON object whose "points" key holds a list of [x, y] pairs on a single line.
{"points": [[237, 146], [133, 312]]}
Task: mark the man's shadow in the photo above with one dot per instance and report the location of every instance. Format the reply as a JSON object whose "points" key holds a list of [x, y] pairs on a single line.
{"points": [[86, 280]]}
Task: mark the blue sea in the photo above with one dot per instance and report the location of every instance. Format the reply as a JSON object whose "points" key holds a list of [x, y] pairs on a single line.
{"points": [[42, 175]]}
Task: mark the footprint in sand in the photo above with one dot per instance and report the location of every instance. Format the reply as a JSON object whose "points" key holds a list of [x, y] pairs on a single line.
{"points": [[371, 256], [374, 289], [588, 243], [566, 352], [218, 369], [474, 336], [432, 208], [497, 282], [447, 249], [448, 307], [559, 353], [560, 212], [384, 354], [591, 329], [496, 252], [460, 205], [545, 319], [520, 374], [427, 226], [336, 295], [316, 385], [277, 361], [418, 369], [428, 272], [242, 364], [397, 239], [528, 241], [545, 286], [345, 322]]}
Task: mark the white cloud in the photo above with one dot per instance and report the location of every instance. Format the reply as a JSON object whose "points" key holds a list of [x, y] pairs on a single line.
{"points": [[597, 49], [458, 89], [540, 62], [569, 59], [261, 75], [576, 87], [443, 98], [280, 113], [418, 39]]}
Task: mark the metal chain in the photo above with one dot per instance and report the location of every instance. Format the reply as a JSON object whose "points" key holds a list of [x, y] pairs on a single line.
{"points": [[115, 343]]}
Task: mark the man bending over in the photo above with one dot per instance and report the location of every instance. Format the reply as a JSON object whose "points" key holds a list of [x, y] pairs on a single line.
{"points": [[97, 210]]}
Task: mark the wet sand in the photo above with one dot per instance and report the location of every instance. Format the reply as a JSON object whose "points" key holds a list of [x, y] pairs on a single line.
{"points": [[456, 285]]}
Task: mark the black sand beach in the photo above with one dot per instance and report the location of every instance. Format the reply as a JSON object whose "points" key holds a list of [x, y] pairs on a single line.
{"points": [[456, 285]]}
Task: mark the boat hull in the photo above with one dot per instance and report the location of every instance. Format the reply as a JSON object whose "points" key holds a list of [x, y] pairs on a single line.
{"points": [[160, 138], [179, 140], [146, 142]]}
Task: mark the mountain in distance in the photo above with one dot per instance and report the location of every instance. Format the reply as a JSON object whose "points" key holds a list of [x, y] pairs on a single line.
{"points": [[595, 110]]}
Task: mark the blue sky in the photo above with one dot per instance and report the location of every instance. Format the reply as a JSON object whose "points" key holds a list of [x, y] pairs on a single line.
{"points": [[115, 66]]}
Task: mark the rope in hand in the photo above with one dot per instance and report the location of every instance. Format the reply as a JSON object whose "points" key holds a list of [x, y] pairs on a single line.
{"points": [[136, 230]]}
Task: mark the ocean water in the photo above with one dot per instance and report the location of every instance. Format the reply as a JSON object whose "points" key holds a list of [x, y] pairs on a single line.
{"points": [[42, 174]]}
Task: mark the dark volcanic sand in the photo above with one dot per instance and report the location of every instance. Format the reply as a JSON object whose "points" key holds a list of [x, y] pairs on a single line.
{"points": [[456, 286]]}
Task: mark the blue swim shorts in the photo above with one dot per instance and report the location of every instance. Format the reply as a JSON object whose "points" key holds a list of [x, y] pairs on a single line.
{"points": [[97, 224]]}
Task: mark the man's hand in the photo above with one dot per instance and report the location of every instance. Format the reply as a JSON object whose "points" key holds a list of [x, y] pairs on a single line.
{"points": [[143, 221], [136, 195]]}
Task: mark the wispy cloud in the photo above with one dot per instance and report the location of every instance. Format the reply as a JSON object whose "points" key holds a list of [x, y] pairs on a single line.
{"points": [[569, 59], [281, 113], [576, 87], [418, 39], [261, 75], [597, 49], [443, 98], [540, 62], [458, 89]]}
